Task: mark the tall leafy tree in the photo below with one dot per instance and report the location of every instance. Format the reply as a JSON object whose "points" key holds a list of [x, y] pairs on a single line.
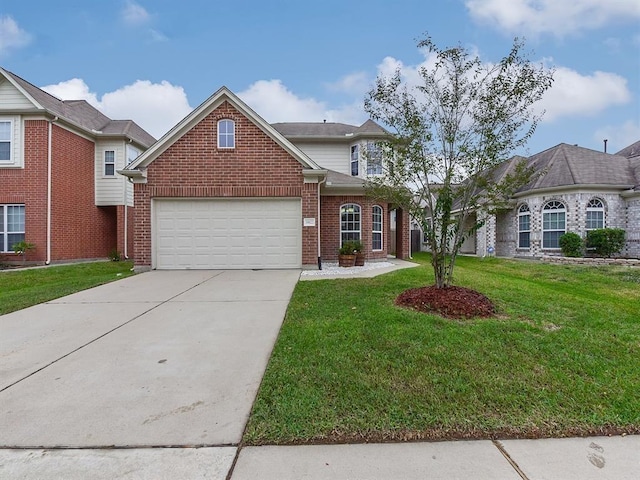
{"points": [[452, 134]]}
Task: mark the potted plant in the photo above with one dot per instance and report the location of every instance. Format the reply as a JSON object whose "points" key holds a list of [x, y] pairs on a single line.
{"points": [[357, 247], [347, 255]]}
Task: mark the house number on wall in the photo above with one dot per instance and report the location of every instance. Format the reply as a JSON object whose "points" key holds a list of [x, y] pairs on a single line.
{"points": [[309, 222]]}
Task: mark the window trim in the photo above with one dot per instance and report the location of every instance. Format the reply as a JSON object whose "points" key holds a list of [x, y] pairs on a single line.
{"points": [[547, 210], [354, 159], [4, 226], [591, 209], [226, 135], [374, 231], [355, 207], [524, 211], [106, 164]]}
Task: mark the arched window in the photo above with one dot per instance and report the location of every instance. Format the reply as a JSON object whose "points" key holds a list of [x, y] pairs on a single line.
{"points": [[595, 214], [349, 222], [226, 133], [524, 226], [376, 228], [554, 223]]}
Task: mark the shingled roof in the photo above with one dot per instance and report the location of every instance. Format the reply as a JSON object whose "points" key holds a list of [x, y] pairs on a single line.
{"points": [[571, 165], [318, 130], [82, 114]]}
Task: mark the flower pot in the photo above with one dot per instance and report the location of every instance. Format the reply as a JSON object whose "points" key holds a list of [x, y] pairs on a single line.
{"points": [[359, 259], [346, 260]]}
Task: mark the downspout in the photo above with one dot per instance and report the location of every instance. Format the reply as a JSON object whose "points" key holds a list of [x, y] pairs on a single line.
{"points": [[126, 253], [49, 137], [319, 250]]}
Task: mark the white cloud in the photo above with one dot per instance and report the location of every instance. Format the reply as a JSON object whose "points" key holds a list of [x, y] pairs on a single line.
{"points": [[276, 103], [134, 14], [618, 136], [156, 107], [354, 83], [574, 94], [571, 94], [558, 17], [11, 35]]}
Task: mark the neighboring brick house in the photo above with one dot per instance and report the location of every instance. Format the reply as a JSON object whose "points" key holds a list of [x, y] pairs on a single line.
{"points": [[59, 186], [225, 189], [579, 190]]}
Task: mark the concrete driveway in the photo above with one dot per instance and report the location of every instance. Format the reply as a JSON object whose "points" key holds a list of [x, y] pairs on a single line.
{"points": [[165, 358]]}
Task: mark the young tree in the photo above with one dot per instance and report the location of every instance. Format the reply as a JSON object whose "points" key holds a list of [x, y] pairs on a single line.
{"points": [[452, 133]]}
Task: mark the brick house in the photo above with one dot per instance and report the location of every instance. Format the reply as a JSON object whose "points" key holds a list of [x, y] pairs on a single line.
{"points": [[580, 190], [225, 189], [59, 186]]}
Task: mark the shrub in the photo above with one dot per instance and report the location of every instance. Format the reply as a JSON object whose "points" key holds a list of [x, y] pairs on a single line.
{"points": [[606, 241], [114, 255], [571, 245], [348, 248]]}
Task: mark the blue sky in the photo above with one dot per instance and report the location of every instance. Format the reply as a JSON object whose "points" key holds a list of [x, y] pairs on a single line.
{"points": [[154, 61]]}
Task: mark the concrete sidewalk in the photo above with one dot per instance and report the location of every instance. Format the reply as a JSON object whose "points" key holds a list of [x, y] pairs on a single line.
{"points": [[595, 458]]}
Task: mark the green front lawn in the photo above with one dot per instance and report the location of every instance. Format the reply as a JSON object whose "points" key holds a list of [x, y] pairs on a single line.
{"points": [[23, 288], [561, 358]]}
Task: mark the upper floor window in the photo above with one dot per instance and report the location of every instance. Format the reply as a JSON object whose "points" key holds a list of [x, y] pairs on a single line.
{"points": [[349, 222], [11, 226], [109, 163], [524, 226], [595, 214], [355, 159], [374, 159], [132, 153], [226, 134], [376, 228], [6, 130], [554, 223]]}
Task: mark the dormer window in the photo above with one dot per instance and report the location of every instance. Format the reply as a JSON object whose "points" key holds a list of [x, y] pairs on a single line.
{"points": [[226, 134], [355, 156]]}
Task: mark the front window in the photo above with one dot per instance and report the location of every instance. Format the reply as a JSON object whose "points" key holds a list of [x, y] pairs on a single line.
{"points": [[349, 223], [595, 214], [226, 134], [553, 224], [11, 226], [524, 227], [109, 163], [5, 141], [355, 157], [376, 228], [374, 159]]}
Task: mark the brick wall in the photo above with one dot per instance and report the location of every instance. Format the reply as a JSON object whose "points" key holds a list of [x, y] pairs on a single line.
{"points": [[79, 229], [330, 225], [194, 167]]}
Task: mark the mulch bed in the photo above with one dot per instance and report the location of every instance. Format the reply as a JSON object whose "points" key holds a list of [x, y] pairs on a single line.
{"points": [[449, 302]]}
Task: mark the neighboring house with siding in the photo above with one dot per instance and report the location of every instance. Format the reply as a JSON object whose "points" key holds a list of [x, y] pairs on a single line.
{"points": [[59, 186], [225, 189], [578, 190]]}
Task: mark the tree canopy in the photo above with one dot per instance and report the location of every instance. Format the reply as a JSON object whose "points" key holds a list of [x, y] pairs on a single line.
{"points": [[451, 132]]}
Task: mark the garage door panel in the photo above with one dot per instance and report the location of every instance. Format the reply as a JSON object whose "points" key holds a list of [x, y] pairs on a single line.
{"points": [[227, 233]]}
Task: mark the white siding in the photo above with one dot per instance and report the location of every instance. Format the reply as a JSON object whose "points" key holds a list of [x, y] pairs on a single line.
{"points": [[11, 98], [110, 190], [333, 156]]}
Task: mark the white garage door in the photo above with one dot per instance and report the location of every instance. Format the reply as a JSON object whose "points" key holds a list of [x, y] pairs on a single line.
{"points": [[227, 234]]}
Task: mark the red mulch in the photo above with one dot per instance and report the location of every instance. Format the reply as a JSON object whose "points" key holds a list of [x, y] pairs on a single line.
{"points": [[449, 302]]}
